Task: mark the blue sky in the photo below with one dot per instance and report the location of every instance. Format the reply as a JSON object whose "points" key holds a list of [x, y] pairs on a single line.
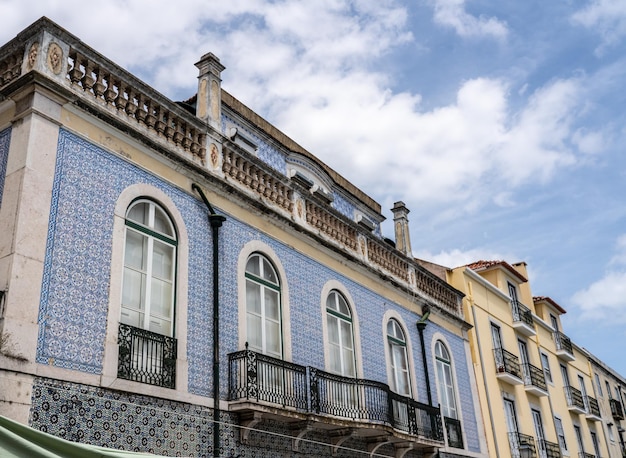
{"points": [[499, 124]]}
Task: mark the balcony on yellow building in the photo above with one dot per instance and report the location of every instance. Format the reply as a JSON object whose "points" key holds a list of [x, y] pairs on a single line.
{"points": [[534, 380], [616, 409], [507, 367], [523, 321], [522, 445], [548, 449], [564, 349], [593, 408], [575, 400]]}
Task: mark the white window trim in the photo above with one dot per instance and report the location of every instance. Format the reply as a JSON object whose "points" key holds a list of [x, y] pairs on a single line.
{"points": [[109, 371], [256, 246], [326, 289], [459, 408], [393, 315]]}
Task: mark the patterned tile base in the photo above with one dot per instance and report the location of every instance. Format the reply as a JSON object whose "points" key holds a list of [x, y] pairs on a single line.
{"points": [[131, 422]]}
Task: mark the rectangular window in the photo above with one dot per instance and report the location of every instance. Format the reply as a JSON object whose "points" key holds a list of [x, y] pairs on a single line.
{"points": [[554, 322], [598, 384], [596, 446], [609, 427], [560, 434], [545, 362]]}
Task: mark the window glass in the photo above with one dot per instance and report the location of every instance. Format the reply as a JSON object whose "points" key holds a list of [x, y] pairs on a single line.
{"points": [[148, 285], [400, 379], [545, 362], [340, 335], [560, 434], [445, 381], [263, 307]]}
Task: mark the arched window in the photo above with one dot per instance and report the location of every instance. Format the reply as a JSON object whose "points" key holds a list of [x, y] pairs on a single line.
{"points": [[147, 347], [263, 307], [340, 335], [149, 269], [445, 380], [399, 362]]}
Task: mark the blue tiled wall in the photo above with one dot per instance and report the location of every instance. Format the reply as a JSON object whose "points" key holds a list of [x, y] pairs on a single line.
{"points": [[74, 301], [5, 136]]}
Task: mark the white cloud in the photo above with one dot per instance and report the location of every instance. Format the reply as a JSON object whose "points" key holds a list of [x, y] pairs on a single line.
{"points": [[605, 299], [457, 257], [607, 17], [452, 13]]}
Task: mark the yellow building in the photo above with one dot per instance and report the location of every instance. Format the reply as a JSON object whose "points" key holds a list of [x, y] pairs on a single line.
{"points": [[535, 386]]}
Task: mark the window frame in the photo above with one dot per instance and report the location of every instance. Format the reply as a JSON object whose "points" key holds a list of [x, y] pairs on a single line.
{"points": [[111, 348], [257, 246], [547, 371], [393, 370], [560, 434]]}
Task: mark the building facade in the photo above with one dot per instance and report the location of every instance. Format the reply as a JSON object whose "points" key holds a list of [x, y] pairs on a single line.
{"points": [[538, 390], [181, 278]]}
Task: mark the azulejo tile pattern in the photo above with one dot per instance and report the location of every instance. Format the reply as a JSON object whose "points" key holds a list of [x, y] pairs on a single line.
{"points": [[139, 423], [5, 137], [74, 302]]}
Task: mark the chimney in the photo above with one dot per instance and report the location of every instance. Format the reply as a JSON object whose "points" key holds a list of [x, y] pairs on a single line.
{"points": [[209, 104], [401, 225]]}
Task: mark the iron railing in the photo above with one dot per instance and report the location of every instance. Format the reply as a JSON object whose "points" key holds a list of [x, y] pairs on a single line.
{"points": [[521, 443], [593, 408], [521, 313], [507, 362], [146, 357], [534, 376], [563, 342], [574, 398], [586, 455], [453, 432], [616, 409], [548, 449], [261, 378]]}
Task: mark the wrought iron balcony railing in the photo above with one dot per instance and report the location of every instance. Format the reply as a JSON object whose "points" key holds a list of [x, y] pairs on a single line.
{"points": [[453, 432], [575, 399], [522, 445], [146, 357], [563, 344], [585, 455], [533, 376], [261, 378], [548, 449], [521, 313], [593, 408], [616, 409], [507, 362]]}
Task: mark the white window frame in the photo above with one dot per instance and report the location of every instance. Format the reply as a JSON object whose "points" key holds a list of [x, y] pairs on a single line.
{"points": [[393, 315], [111, 349], [547, 371]]}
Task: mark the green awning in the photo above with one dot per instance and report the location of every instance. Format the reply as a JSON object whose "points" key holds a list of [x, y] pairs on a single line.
{"points": [[20, 441]]}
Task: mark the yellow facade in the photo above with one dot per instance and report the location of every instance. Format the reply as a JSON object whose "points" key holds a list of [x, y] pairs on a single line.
{"points": [[536, 388]]}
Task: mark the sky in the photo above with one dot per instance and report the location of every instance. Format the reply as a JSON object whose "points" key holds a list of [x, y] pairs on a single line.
{"points": [[500, 124]]}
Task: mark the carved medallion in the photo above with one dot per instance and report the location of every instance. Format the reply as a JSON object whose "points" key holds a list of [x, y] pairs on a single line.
{"points": [[55, 58], [32, 55], [214, 155]]}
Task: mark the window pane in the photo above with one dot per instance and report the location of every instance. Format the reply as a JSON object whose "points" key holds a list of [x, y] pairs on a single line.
{"points": [[253, 297], [335, 359], [272, 310], [268, 272], [161, 299], [133, 292], [163, 260], [139, 213], [272, 338], [135, 252], [253, 266], [333, 329], [254, 332], [346, 334], [162, 223], [348, 361]]}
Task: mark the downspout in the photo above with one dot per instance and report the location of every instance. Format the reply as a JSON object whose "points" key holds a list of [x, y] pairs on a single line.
{"points": [[215, 221], [421, 325]]}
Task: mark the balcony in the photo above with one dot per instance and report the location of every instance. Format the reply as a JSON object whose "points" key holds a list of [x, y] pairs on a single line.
{"points": [[146, 357], [522, 319], [548, 449], [534, 380], [585, 455], [593, 409], [564, 349], [507, 367], [616, 409], [453, 432], [522, 445], [260, 386], [575, 400]]}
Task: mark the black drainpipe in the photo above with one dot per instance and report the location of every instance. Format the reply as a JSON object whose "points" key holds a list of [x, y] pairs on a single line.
{"points": [[421, 325], [216, 222]]}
